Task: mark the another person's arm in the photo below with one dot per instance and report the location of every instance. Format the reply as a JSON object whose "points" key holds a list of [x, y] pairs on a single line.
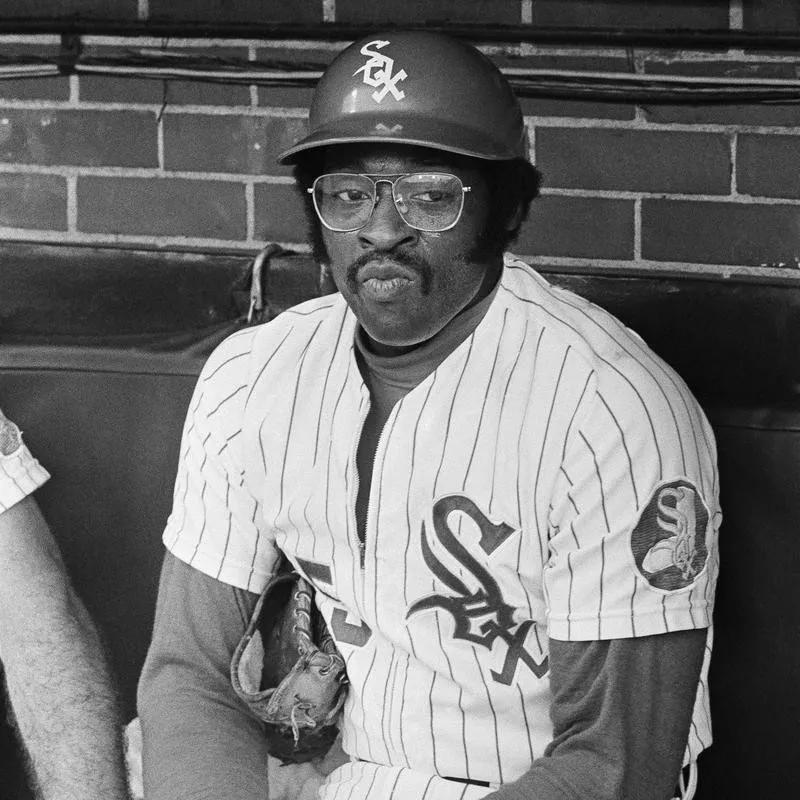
{"points": [[57, 679]]}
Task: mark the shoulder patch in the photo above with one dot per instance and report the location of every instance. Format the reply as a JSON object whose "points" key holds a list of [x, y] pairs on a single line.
{"points": [[668, 541], [10, 439]]}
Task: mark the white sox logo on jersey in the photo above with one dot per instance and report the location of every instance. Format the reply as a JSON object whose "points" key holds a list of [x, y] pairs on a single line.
{"points": [[378, 72], [669, 540], [470, 609]]}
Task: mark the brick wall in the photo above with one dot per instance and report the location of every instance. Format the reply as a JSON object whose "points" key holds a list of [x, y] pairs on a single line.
{"points": [[708, 188]]}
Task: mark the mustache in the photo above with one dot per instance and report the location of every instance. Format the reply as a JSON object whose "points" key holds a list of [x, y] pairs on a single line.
{"points": [[403, 258]]}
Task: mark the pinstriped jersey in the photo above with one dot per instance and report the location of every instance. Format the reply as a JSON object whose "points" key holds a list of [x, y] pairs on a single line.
{"points": [[551, 478], [20, 473]]}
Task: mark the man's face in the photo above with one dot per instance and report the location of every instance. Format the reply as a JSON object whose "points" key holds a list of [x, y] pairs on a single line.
{"points": [[405, 285]]}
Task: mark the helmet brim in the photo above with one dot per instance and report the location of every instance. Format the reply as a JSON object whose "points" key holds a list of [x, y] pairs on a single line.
{"points": [[407, 130]]}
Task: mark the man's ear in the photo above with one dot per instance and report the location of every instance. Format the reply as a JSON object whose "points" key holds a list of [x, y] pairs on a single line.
{"points": [[514, 220]]}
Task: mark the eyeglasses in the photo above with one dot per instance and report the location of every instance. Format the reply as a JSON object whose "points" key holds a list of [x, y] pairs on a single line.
{"points": [[427, 201]]}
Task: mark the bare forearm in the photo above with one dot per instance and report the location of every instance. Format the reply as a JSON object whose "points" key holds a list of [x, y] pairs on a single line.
{"points": [[57, 678], [64, 705]]}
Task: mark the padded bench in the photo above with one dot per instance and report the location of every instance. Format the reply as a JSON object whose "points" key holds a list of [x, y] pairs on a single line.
{"points": [[100, 349]]}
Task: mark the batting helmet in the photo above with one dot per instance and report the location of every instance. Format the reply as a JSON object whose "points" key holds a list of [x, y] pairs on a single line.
{"points": [[416, 88]]}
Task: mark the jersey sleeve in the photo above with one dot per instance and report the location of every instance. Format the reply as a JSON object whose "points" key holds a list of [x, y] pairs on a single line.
{"points": [[20, 473], [635, 512], [216, 524]]}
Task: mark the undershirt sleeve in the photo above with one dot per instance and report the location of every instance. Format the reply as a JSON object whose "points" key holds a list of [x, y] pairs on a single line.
{"points": [[199, 740], [621, 712]]}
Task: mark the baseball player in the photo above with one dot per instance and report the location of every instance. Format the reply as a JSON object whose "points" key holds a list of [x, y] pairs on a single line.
{"points": [[507, 504], [58, 683]]}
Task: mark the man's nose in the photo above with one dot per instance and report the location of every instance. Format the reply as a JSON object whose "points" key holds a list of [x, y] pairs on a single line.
{"points": [[386, 229]]}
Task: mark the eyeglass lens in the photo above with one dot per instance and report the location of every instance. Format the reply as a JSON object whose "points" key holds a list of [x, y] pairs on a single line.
{"points": [[426, 201]]}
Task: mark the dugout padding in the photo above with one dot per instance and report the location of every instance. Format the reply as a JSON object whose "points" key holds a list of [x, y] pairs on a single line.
{"points": [[100, 348]]}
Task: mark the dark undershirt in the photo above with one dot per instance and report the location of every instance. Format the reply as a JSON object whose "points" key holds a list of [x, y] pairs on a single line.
{"points": [[390, 378]]}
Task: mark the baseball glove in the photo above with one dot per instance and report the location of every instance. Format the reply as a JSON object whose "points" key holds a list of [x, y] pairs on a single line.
{"points": [[288, 671]]}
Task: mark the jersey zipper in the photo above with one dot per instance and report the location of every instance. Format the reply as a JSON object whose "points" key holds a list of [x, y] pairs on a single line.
{"points": [[357, 480], [376, 456]]}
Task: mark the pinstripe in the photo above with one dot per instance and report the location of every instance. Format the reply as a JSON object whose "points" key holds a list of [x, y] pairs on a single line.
{"points": [[602, 587], [264, 367], [371, 783], [402, 709], [599, 481], [691, 607], [540, 457], [235, 357], [185, 449], [261, 449], [494, 716], [522, 428], [519, 442], [310, 527], [255, 548], [525, 717], [225, 400], [297, 313], [379, 482], [500, 417], [395, 668], [291, 527], [394, 785], [202, 505], [386, 714], [450, 412], [624, 446], [485, 401], [411, 473], [569, 595], [228, 532], [574, 506], [340, 786], [363, 710], [345, 778], [427, 786], [460, 691], [325, 385], [291, 415], [328, 468], [568, 433], [608, 530], [430, 718]]}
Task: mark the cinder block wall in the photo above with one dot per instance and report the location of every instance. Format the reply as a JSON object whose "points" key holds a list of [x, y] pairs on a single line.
{"points": [[705, 188]]}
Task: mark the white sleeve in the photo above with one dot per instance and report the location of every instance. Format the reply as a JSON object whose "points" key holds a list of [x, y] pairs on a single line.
{"points": [[216, 524], [635, 513], [20, 473]]}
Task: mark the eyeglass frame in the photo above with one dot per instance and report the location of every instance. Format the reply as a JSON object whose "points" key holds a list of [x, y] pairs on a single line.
{"points": [[391, 179]]}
